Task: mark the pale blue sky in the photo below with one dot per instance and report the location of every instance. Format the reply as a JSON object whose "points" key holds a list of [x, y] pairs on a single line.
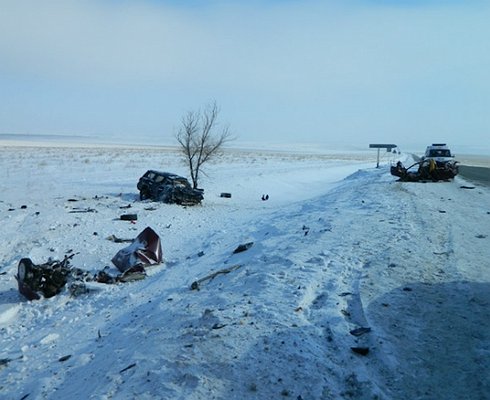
{"points": [[335, 72]]}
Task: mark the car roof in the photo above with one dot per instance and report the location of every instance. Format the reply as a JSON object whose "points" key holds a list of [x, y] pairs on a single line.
{"points": [[169, 175], [438, 146]]}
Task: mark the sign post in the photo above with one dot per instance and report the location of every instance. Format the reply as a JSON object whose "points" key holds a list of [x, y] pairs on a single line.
{"points": [[388, 148]]}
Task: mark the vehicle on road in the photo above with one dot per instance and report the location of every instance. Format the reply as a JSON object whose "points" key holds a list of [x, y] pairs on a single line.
{"points": [[439, 152], [437, 164]]}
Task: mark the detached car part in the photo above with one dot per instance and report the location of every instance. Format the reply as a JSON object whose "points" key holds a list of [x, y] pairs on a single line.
{"points": [[145, 249], [45, 280]]}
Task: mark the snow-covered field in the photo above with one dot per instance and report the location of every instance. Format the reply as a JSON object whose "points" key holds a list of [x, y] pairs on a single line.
{"points": [[338, 246]]}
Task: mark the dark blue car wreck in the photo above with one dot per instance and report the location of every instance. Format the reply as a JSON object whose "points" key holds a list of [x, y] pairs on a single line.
{"points": [[168, 188]]}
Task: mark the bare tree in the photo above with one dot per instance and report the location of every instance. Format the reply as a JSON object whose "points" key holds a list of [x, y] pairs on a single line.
{"points": [[199, 139]]}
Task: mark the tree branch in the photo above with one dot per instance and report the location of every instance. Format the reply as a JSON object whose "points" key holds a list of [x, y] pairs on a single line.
{"points": [[198, 141]]}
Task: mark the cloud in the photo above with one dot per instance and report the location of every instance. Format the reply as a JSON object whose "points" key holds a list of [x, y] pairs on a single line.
{"points": [[147, 41], [287, 66], [93, 40]]}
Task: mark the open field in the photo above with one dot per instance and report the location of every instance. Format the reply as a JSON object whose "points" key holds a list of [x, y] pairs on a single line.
{"points": [[343, 257]]}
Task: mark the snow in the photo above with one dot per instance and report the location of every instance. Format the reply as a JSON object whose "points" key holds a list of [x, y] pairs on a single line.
{"points": [[339, 245]]}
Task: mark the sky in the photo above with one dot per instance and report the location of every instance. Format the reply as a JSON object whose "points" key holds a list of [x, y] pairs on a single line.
{"points": [[321, 73]]}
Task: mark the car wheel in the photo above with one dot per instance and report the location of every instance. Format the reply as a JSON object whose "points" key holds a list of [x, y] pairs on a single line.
{"points": [[143, 195]]}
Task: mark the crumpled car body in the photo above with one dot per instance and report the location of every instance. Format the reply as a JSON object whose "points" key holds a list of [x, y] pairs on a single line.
{"points": [[168, 188], [428, 170], [145, 249]]}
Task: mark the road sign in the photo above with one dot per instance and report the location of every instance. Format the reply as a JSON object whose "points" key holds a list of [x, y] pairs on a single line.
{"points": [[388, 148]]}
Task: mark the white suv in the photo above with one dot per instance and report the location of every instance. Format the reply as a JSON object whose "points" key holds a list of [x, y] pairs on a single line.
{"points": [[438, 152]]}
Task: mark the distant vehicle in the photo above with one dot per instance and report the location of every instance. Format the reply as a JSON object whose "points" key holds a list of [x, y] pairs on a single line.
{"points": [[439, 152], [168, 188]]}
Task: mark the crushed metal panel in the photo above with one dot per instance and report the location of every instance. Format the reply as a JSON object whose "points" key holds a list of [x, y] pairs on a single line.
{"points": [[145, 249]]}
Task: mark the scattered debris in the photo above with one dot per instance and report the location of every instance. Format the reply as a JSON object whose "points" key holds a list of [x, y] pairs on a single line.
{"points": [[129, 217], [128, 367], [243, 247], [104, 277], [407, 289], [82, 210], [359, 331], [225, 195], [78, 288], [363, 351], [64, 358], [200, 254], [306, 229], [115, 239], [125, 207], [218, 326], [145, 249], [467, 187], [196, 284], [481, 236], [135, 273]]}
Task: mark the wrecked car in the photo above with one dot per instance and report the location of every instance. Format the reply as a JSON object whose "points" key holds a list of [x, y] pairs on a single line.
{"points": [[437, 164], [427, 170], [168, 188]]}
